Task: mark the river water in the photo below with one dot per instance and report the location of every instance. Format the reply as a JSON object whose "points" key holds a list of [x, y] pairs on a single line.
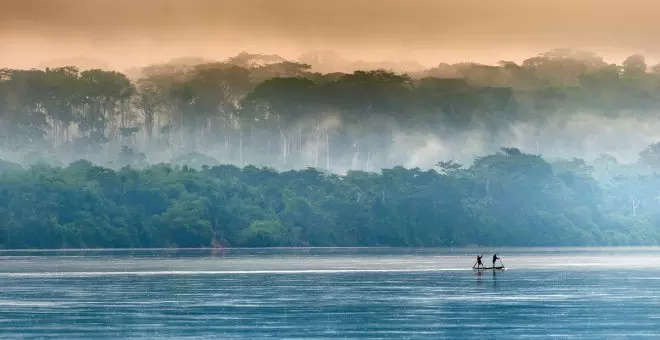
{"points": [[604, 293]]}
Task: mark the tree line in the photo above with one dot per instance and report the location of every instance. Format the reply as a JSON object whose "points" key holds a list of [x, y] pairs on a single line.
{"points": [[255, 109], [508, 198]]}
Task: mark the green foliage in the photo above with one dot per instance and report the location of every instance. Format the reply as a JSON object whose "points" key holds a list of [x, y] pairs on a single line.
{"points": [[507, 198], [268, 233], [262, 109]]}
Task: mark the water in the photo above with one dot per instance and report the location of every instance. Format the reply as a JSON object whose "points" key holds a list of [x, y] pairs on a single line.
{"points": [[330, 293]]}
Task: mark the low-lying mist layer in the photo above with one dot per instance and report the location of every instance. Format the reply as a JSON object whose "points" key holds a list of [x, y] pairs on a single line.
{"points": [[579, 168], [268, 111]]}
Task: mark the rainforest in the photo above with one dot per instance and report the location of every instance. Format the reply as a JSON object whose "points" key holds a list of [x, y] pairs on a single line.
{"points": [[260, 151]]}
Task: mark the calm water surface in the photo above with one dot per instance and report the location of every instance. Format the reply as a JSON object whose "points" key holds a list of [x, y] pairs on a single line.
{"points": [[330, 293]]}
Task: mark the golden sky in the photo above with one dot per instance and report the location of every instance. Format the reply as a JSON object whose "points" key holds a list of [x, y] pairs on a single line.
{"points": [[129, 32]]}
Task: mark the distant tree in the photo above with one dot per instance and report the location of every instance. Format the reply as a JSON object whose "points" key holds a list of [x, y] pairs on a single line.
{"points": [[634, 65], [650, 156]]}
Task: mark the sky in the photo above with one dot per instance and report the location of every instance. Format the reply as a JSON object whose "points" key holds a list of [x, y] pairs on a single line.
{"points": [[125, 33]]}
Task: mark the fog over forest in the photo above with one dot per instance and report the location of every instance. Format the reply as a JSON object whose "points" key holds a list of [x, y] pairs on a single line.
{"points": [[327, 112], [260, 150]]}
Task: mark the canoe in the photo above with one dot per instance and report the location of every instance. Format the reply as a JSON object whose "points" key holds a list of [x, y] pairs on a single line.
{"points": [[485, 268]]}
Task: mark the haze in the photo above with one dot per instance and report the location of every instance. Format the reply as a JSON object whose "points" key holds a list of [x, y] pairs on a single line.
{"points": [[548, 137], [126, 33]]}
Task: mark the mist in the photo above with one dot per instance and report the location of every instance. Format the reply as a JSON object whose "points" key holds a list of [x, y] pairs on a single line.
{"points": [[415, 38], [584, 135], [301, 167], [324, 134]]}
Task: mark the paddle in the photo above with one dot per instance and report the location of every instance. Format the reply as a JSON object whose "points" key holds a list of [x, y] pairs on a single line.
{"points": [[501, 261]]}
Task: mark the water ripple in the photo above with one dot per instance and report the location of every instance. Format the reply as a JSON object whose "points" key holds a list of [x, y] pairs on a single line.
{"points": [[315, 297]]}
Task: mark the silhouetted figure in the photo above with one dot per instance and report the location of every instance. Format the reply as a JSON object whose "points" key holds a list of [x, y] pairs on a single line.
{"points": [[495, 258], [479, 260]]}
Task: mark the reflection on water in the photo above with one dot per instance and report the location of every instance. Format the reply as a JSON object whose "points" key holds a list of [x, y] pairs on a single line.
{"points": [[329, 293]]}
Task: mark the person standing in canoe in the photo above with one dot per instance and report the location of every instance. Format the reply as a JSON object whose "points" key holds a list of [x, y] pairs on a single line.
{"points": [[479, 260], [495, 258]]}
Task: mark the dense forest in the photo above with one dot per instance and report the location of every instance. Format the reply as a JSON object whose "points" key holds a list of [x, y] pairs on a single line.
{"points": [[256, 150], [262, 110], [506, 198]]}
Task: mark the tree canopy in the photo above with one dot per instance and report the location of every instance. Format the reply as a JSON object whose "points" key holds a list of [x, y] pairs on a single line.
{"points": [[265, 110], [507, 198], [193, 154]]}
